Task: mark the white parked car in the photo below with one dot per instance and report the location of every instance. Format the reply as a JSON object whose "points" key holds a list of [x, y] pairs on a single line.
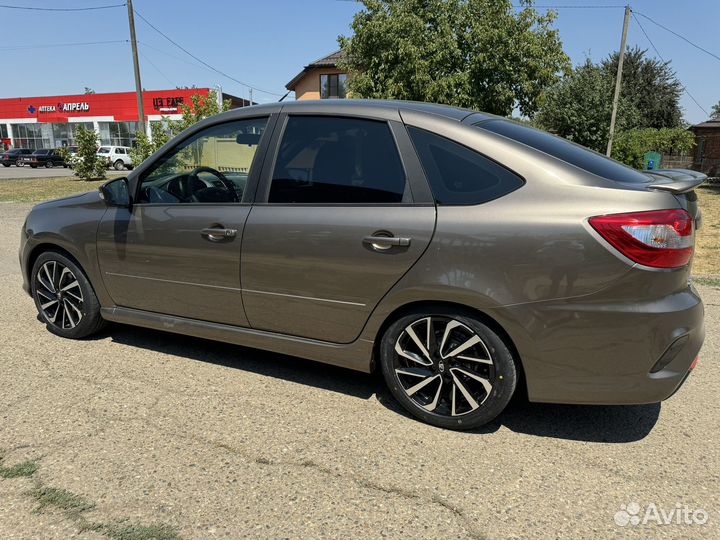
{"points": [[116, 156]]}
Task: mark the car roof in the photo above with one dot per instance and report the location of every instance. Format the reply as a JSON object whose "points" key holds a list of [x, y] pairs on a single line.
{"points": [[379, 108]]}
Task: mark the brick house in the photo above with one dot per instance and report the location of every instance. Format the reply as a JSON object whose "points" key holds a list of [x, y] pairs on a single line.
{"points": [[321, 79], [707, 147]]}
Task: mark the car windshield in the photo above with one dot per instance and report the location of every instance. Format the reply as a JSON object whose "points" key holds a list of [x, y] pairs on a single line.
{"points": [[104, 150], [567, 151], [40, 152]]}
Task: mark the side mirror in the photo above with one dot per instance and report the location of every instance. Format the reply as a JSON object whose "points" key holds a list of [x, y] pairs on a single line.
{"points": [[116, 193]]}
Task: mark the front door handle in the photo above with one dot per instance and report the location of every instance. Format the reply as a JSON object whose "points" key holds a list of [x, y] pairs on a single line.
{"points": [[386, 242], [217, 234]]}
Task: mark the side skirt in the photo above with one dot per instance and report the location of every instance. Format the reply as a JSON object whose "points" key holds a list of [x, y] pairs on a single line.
{"points": [[356, 355]]}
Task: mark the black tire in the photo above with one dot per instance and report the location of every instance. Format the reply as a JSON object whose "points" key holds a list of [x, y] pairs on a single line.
{"points": [[449, 372], [88, 306], [6, 164], [119, 165], [48, 164]]}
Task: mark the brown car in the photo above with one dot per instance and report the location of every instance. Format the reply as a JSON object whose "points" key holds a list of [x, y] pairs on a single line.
{"points": [[458, 252]]}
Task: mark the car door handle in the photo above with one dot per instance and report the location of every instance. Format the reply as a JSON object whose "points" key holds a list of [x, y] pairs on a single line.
{"points": [[386, 242], [217, 234]]}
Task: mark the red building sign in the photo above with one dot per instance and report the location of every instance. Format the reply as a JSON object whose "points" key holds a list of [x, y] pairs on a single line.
{"points": [[117, 107]]}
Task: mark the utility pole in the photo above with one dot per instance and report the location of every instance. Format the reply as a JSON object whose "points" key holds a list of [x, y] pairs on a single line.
{"points": [[136, 64], [618, 79]]}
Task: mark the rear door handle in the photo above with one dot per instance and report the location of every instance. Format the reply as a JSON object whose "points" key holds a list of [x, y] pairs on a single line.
{"points": [[217, 234], [386, 242]]}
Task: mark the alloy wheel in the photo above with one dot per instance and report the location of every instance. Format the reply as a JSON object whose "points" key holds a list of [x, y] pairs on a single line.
{"points": [[443, 366], [59, 295]]}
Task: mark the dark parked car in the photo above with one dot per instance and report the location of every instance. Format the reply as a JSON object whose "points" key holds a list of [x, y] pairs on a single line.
{"points": [[458, 252], [43, 158], [10, 157]]}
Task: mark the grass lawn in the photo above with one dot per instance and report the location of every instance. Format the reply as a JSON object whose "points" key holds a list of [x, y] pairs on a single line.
{"points": [[707, 256], [707, 249], [33, 190]]}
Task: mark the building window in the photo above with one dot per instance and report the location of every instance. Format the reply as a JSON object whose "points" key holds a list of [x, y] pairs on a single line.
{"points": [[333, 86], [33, 136], [117, 133]]}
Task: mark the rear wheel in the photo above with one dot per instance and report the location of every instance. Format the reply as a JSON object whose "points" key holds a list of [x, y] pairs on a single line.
{"points": [[6, 164], [64, 297], [119, 165], [447, 368]]}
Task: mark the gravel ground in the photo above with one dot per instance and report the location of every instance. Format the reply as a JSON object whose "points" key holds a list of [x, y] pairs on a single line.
{"points": [[211, 440]]}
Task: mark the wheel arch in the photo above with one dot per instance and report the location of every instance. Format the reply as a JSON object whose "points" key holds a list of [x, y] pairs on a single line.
{"points": [[43, 247], [483, 317]]}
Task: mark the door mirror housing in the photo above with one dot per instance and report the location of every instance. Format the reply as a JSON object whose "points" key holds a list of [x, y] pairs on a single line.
{"points": [[116, 193]]}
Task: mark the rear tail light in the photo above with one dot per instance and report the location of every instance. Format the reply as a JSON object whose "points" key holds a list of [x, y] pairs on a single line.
{"points": [[660, 239]]}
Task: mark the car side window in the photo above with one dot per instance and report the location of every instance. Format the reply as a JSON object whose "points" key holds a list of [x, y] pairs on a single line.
{"points": [[459, 175], [212, 166], [326, 160]]}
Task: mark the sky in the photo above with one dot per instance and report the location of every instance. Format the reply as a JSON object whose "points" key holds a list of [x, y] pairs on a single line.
{"points": [[265, 43]]}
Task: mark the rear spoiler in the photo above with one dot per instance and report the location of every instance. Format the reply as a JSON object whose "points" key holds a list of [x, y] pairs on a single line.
{"points": [[675, 180]]}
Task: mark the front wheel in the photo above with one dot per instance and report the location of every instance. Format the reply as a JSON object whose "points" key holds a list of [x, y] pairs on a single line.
{"points": [[48, 164], [64, 297], [119, 165], [447, 368]]}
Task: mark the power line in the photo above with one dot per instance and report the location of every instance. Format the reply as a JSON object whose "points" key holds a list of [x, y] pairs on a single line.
{"points": [[202, 61], [678, 35], [53, 45], [521, 6], [661, 58], [145, 57], [34, 8]]}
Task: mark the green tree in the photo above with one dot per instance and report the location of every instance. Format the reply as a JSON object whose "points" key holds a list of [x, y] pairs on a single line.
{"points": [[650, 86], [199, 108], [715, 112], [630, 146], [481, 54], [579, 107], [88, 165]]}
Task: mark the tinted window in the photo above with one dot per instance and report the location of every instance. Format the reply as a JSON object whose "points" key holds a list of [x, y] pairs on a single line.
{"points": [[565, 150], [212, 166], [337, 160], [459, 175]]}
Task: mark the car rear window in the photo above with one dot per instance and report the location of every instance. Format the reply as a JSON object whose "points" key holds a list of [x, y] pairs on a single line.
{"points": [[459, 175], [567, 151]]}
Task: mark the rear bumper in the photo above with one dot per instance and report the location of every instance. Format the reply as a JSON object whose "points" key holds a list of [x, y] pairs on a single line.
{"points": [[608, 353]]}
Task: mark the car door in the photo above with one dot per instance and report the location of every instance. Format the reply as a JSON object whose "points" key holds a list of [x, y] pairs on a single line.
{"points": [[341, 215], [176, 251]]}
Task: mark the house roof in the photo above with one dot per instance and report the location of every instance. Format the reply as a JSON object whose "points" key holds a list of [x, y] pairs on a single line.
{"points": [[329, 61], [712, 123]]}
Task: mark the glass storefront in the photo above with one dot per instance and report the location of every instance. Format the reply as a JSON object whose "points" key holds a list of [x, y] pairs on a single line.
{"points": [[56, 135], [118, 133], [32, 136], [66, 134]]}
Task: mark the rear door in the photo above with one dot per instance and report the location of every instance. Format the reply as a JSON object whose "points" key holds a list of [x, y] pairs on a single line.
{"points": [[341, 215]]}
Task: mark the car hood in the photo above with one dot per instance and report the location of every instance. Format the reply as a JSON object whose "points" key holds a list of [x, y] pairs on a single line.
{"points": [[91, 197]]}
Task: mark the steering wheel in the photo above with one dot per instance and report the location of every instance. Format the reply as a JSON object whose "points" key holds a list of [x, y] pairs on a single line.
{"points": [[220, 176]]}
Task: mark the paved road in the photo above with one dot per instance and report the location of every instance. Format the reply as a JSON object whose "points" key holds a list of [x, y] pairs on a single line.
{"points": [[12, 172], [222, 441]]}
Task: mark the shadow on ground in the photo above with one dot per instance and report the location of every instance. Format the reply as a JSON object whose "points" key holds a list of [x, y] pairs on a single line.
{"points": [[602, 424]]}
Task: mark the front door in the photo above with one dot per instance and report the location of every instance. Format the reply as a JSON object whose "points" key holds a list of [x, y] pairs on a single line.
{"points": [[335, 227], [176, 251]]}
